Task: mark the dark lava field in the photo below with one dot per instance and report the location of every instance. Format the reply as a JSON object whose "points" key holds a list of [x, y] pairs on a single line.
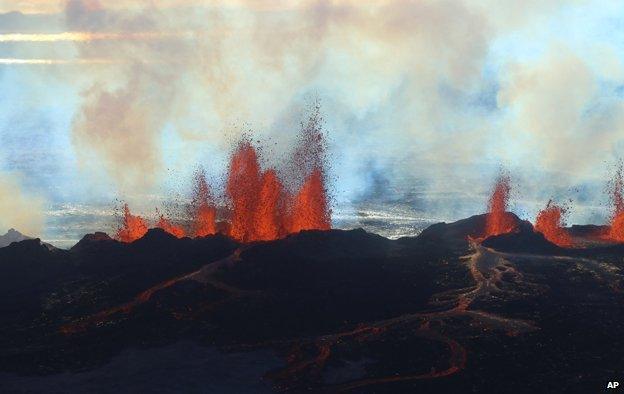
{"points": [[318, 311]]}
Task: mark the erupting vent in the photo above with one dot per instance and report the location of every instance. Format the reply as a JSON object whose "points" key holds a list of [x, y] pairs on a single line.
{"points": [[261, 206], [132, 228], [550, 221], [498, 220], [616, 231], [202, 208]]}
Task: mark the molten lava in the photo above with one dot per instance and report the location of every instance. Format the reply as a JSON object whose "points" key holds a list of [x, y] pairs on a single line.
{"points": [[616, 230], [271, 211], [169, 227], [202, 211], [243, 187], [550, 221], [261, 206], [310, 209], [263, 210], [498, 220], [132, 228]]}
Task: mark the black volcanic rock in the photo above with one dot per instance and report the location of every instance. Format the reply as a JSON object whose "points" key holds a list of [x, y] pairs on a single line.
{"points": [[456, 235], [326, 279], [29, 269], [96, 237], [155, 236], [587, 230], [345, 311], [524, 241], [28, 253], [94, 240], [283, 263], [131, 268]]}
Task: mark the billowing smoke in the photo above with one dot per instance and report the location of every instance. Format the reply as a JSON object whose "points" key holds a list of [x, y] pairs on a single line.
{"points": [[435, 95], [251, 66]]}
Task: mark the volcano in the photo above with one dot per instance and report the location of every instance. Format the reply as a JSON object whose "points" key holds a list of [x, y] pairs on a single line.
{"points": [[314, 311]]}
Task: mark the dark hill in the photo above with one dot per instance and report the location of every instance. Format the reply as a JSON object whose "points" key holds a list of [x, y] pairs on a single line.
{"points": [[342, 311], [12, 236], [524, 241], [29, 264], [587, 230], [456, 235], [327, 279]]}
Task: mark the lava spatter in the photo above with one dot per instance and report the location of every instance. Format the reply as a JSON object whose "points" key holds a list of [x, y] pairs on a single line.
{"points": [[132, 228], [550, 222], [498, 220]]}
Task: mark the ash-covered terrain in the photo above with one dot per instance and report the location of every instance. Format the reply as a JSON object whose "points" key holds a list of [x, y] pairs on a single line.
{"points": [[317, 311]]}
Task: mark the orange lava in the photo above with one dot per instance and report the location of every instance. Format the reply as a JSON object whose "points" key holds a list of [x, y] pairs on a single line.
{"points": [[132, 228], [265, 207], [310, 209], [243, 187], [259, 204], [169, 227], [498, 220], [202, 210], [616, 230], [550, 221], [271, 211], [262, 209]]}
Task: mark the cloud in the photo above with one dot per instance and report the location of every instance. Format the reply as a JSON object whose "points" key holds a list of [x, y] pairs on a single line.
{"points": [[437, 93], [118, 128], [18, 208], [409, 69], [556, 112]]}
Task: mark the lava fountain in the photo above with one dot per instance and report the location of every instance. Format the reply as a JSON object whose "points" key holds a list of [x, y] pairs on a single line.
{"points": [[272, 207], [202, 209], [260, 205], [616, 230], [498, 220], [550, 222], [132, 228], [165, 224], [265, 207], [309, 208], [243, 186]]}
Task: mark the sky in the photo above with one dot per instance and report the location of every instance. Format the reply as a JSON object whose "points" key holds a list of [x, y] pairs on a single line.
{"points": [[424, 102]]}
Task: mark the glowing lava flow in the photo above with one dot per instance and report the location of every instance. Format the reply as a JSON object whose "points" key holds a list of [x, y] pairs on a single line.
{"points": [[550, 222], [498, 220], [132, 228], [616, 230]]}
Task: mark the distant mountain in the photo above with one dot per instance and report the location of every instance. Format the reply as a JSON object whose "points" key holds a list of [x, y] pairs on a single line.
{"points": [[15, 236], [12, 236]]}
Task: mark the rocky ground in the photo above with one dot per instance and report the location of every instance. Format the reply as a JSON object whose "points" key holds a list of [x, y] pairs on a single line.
{"points": [[335, 311]]}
